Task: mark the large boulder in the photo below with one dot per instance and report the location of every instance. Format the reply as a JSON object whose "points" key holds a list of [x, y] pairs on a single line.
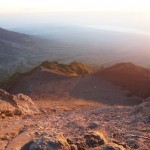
{"points": [[48, 142], [20, 104], [94, 139], [25, 104]]}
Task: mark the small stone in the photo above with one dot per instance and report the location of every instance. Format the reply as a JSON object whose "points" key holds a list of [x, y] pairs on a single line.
{"points": [[18, 112], [73, 147], [93, 126], [94, 139], [132, 143], [9, 113], [3, 116]]}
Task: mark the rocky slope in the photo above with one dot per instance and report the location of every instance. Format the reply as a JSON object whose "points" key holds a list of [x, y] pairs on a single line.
{"points": [[71, 124], [21, 52], [15, 50], [48, 69], [72, 69], [129, 76], [14, 36], [77, 80], [73, 110]]}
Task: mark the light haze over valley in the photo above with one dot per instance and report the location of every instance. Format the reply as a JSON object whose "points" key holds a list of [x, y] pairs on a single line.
{"points": [[74, 74], [99, 35]]}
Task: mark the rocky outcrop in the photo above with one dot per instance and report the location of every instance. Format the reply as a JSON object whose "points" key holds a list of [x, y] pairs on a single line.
{"points": [[19, 104], [72, 69], [89, 140], [47, 142], [95, 139]]}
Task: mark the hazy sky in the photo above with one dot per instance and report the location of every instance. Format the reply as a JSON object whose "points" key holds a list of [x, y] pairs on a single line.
{"points": [[74, 5], [134, 14]]}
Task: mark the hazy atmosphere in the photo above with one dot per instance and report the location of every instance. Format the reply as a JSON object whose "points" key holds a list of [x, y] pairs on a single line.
{"points": [[120, 15], [89, 30], [74, 74]]}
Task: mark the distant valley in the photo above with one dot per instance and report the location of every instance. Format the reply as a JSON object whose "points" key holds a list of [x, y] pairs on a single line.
{"points": [[96, 48], [74, 90]]}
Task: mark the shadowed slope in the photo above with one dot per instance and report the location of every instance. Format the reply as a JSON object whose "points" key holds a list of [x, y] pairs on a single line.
{"points": [[54, 79], [96, 88], [44, 75], [14, 36], [131, 77], [16, 51]]}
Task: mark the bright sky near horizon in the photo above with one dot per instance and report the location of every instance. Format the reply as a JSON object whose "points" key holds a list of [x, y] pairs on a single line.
{"points": [[132, 14], [74, 5]]}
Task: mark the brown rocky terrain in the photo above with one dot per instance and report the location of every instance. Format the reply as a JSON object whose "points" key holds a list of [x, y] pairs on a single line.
{"points": [[68, 124], [72, 112], [19, 104], [76, 80], [48, 71]]}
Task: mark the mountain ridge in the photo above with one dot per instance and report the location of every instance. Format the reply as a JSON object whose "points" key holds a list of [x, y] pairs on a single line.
{"points": [[73, 69], [15, 37], [103, 85], [130, 76]]}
